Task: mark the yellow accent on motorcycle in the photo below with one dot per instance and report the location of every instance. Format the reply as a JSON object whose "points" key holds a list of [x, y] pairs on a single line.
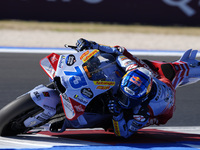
{"points": [[87, 57], [87, 72], [111, 83], [116, 127]]}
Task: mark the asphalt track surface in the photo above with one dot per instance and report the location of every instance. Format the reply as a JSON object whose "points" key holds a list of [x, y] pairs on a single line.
{"points": [[21, 73]]}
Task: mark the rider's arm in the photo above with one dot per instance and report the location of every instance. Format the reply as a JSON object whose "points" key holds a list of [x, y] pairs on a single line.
{"points": [[125, 63], [108, 49], [85, 44], [120, 125], [126, 129]]}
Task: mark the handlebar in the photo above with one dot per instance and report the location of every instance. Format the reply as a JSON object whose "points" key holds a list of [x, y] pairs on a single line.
{"points": [[71, 46]]}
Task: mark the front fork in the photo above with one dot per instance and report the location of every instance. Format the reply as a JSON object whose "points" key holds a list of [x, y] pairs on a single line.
{"points": [[46, 98]]}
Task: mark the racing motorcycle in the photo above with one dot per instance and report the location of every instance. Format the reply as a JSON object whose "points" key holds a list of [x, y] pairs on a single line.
{"points": [[83, 82]]}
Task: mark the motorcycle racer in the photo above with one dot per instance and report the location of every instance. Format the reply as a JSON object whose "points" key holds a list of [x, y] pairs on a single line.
{"points": [[107, 88], [144, 97]]}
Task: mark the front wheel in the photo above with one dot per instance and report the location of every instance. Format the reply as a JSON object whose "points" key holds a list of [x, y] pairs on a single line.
{"points": [[12, 116]]}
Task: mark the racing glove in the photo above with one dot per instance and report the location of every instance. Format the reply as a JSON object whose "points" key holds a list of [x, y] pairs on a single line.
{"points": [[83, 44], [114, 107], [137, 123]]}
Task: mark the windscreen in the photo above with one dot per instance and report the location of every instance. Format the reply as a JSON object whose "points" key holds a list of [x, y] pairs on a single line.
{"points": [[97, 67]]}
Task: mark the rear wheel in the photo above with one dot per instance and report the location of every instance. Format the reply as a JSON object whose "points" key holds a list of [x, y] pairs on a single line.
{"points": [[13, 115]]}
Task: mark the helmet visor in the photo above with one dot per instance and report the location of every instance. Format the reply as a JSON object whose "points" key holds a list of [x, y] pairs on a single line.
{"points": [[126, 101]]}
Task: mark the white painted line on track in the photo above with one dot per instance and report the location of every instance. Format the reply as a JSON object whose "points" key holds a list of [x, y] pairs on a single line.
{"points": [[180, 129], [193, 146], [37, 141], [40, 141], [67, 50]]}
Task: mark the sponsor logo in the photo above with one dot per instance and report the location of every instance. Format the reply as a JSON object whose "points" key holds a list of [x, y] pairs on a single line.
{"points": [[65, 97], [61, 61], [84, 54], [102, 87], [84, 101], [139, 118], [87, 57], [129, 91], [67, 103], [129, 62], [49, 107], [87, 92], [70, 60], [136, 80], [46, 94], [124, 58], [110, 83], [37, 95], [53, 59], [79, 108], [130, 67], [116, 127]]}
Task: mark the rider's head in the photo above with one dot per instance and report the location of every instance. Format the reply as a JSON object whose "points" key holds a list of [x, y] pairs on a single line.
{"points": [[135, 87]]}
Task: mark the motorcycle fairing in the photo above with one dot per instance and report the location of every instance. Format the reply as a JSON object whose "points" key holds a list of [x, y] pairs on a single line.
{"points": [[49, 64], [80, 87], [47, 99]]}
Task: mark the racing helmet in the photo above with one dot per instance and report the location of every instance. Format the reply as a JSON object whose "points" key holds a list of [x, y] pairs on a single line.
{"points": [[135, 87]]}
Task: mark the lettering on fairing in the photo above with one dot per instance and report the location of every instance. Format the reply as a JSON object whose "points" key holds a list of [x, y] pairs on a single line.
{"points": [[110, 83], [79, 108], [70, 60], [37, 95], [80, 99], [87, 57], [103, 87], [53, 59], [49, 107], [61, 62], [86, 92]]}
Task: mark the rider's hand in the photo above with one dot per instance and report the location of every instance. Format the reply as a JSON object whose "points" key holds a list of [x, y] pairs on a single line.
{"points": [[83, 44], [137, 122], [114, 107]]}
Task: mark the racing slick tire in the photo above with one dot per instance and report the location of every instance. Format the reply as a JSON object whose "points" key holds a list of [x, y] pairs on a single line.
{"points": [[13, 115]]}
